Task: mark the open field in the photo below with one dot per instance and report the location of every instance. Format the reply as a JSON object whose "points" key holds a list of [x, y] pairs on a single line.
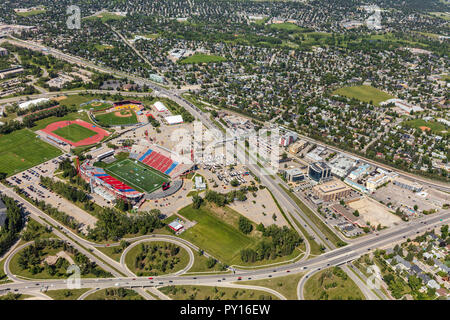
{"points": [[41, 124], [435, 127], [285, 26], [97, 106], [364, 93], [214, 293], [21, 150], [117, 118], [215, 236], [332, 284], [105, 17], [286, 285], [158, 260], [74, 132], [137, 175], [66, 294], [202, 58], [30, 13]]}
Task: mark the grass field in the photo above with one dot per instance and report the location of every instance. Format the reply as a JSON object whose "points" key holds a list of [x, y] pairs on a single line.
{"points": [[66, 294], [105, 17], [286, 285], [21, 150], [202, 58], [41, 124], [332, 284], [435, 127], [111, 119], [74, 132], [215, 236], [30, 13], [101, 106], [214, 293], [137, 175], [285, 26], [123, 294], [364, 93]]}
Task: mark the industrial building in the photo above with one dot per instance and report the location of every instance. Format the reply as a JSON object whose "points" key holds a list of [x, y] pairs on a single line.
{"points": [[341, 166], [332, 190], [319, 171]]}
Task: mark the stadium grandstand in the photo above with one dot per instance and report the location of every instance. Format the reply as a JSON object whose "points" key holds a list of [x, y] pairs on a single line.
{"points": [[129, 104], [160, 159], [100, 180]]}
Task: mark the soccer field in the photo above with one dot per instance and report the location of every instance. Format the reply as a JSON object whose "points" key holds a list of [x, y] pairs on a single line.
{"points": [[74, 132], [137, 175], [364, 93], [21, 150]]}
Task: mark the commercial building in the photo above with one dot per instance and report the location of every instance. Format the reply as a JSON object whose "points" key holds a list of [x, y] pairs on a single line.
{"points": [[174, 119], [374, 182], [159, 106], [332, 190], [199, 183], [294, 175], [407, 184], [10, 71], [341, 166], [288, 138], [297, 146], [2, 214], [359, 172], [319, 171]]}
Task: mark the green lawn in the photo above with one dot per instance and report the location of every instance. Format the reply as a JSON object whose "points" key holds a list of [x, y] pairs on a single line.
{"points": [[215, 236], [21, 150], [364, 93], [332, 284], [41, 124], [102, 106], [111, 119], [286, 285], [66, 294], [30, 13], [150, 265], [202, 58], [105, 17], [435, 127], [285, 26], [214, 293], [74, 132], [137, 175]]}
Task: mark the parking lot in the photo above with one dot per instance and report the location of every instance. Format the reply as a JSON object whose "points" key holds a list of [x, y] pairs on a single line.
{"points": [[29, 182]]}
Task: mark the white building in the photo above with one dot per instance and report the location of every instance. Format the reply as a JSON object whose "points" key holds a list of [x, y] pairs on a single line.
{"points": [[27, 104], [159, 106], [174, 119]]}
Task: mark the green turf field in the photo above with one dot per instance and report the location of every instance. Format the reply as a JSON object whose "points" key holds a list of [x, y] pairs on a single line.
{"points": [[202, 58], [21, 150], [364, 93], [74, 132], [285, 26], [137, 175], [101, 106], [215, 236], [435, 127], [111, 119]]}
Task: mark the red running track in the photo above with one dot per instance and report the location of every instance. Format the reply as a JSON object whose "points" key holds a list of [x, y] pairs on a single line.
{"points": [[85, 142]]}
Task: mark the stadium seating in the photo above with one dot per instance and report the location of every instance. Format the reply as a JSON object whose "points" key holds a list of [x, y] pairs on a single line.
{"points": [[158, 161]]}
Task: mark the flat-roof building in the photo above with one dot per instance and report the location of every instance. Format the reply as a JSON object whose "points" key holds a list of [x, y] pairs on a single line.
{"points": [[332, 190], [407, 184], [294, 175], [319, 171]]}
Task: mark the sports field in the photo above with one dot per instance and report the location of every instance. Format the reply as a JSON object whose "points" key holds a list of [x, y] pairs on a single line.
{"points": [[202, 58], [117, 118], [137, 175], [21, 150], [74, 132], [364, 93]]}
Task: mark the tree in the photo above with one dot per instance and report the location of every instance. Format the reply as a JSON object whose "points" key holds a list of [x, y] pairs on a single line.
{"points": [[196, 201], [234, 183], [245, 226], [211, 262]]}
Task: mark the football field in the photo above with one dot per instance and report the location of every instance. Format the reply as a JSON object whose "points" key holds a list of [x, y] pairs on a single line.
{"points": [[74, 132], [137, 175]]}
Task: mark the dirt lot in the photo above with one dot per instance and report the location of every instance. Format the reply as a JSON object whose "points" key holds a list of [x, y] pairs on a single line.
{"points": [[374, 212], [260, 209]]}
